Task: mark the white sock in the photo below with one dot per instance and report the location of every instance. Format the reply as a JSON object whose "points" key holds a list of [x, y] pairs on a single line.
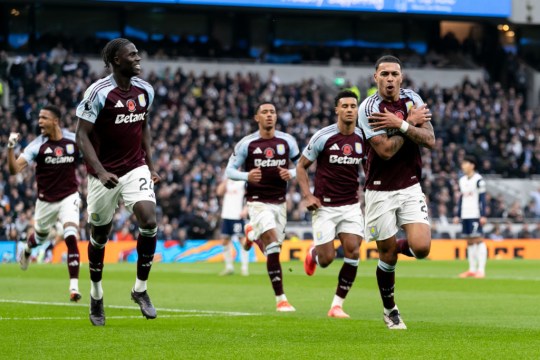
{"points": [[281, 298], [74, 284], [140, 285], [244, 259], [481, 255], [337, 301], [228, 256], [96, 291], [471, 256]]}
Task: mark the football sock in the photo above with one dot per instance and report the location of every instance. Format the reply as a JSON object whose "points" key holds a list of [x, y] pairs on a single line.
{"points": [[228, 256], [404, 248], [346, 277], [96, 254], [273, 266], [146, 247], [481, 253], [73, 256], [140, 285], [74, 284], [244, 259], [281, 297], [338, 301], [96, 291], [386, 281], [472, 257]]}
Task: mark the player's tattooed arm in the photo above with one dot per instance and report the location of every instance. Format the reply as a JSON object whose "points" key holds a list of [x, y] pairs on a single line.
{"points": [[422, 135], [386, 147]]}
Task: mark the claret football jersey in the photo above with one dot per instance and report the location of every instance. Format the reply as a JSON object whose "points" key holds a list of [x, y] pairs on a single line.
{"points": [[56, 164], [404, 169], [118, 117]]}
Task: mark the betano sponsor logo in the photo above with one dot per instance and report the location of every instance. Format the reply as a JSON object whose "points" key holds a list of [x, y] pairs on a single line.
{"points": [[270, 162], [59, 160], [131, 118], [345, 160]]}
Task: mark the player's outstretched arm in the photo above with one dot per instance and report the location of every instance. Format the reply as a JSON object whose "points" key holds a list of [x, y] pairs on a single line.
{"points": [[84, 128], [15, 166]]}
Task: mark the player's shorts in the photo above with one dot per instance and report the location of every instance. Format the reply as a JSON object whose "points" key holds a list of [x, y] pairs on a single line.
{"points": [[264, 216], [471, 228], [133, 187], [387, 211], [329, 221], [232, 227], [49, 213]]}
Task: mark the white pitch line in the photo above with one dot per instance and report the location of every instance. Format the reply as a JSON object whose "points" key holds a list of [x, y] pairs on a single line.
{"points": [[190, 311], [108, 317]]}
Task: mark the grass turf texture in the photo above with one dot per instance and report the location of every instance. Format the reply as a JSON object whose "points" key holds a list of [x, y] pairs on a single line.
{"points": [[203, 316]]}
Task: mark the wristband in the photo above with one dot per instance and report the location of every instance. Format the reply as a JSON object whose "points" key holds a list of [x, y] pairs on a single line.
{"points": [[404, 127]]}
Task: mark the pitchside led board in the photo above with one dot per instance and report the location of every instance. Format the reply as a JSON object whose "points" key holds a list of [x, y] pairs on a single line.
{"points": [[482, 8]]}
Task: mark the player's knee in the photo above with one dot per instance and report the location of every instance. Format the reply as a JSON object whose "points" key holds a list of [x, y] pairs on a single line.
{"points": [[149, 223], [325, 262], [388, 257], [421, 252], [324, 259], [353, 254]]}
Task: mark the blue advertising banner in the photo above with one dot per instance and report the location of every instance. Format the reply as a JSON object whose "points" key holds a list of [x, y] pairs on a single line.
{"points": [[481, 8], [8, 251]]}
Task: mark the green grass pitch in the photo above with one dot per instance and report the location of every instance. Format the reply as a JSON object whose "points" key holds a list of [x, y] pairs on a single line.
{"points": [[204, 316]]}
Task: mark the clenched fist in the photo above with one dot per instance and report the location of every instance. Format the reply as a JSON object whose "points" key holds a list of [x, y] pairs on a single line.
{"points": [[13, 138]]}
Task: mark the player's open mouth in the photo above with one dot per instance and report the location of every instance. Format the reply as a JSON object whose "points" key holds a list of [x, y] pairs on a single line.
{"points": [[390, 87], [138, 67]]}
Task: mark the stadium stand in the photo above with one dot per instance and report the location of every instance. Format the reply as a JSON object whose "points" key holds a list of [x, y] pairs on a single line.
{"points": [[195, 115]]}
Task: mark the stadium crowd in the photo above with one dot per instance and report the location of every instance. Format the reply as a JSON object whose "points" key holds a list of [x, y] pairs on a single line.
{"points": [[195, 120]]}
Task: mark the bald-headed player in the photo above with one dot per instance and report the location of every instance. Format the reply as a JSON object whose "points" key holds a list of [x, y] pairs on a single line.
{"points": [[114, 137], [56, 156], [396, 123], [264, 158]]}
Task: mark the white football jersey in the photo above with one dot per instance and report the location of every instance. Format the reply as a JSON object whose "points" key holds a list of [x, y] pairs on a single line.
{"points": [[470, 189], [233, 200]]}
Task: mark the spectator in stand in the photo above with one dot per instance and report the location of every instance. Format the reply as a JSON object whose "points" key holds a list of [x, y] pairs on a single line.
{"points": [[190, 118], [535, 234], [508, 231], [124, 233], [515, 213], [525, 232], [535, 196], [496, 233]]}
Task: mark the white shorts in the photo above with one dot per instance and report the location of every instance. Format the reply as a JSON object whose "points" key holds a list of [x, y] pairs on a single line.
{"points": [[135, 186], [387, 211], [264, 216], [329, 221], [48, 214]]}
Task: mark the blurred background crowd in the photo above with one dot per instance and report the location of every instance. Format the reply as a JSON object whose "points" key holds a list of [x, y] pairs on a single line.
{"points": [[196, 120]]}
